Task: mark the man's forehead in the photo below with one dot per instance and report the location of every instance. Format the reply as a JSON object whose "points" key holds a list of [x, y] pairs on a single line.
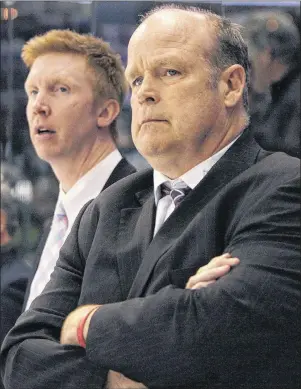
{"points": [[61, 61], [170, 32], [172, 25], [174, 18], [56, 64]]}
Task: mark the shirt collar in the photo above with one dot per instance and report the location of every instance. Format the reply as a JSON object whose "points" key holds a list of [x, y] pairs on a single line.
{"points": [[87, 187], [193, 176]]}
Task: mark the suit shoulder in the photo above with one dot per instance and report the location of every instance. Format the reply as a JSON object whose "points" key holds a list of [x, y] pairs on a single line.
{"points": [[270, 176], [126, 186], [122, 193], [278, 163]]}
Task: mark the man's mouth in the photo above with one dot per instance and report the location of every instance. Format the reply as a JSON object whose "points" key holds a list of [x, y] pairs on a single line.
{"points": [[42, 130], [150, 120]]}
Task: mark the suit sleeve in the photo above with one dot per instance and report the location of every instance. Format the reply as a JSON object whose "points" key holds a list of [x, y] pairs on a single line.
{"points": [[245, 328], [32, 357]]}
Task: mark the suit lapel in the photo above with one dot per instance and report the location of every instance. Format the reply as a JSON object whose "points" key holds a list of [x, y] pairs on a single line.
{"points": [[238, 158], [123, 169], [134, 235]]}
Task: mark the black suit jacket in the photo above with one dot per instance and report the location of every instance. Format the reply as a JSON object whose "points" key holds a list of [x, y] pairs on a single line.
{"points": [[243, 331], [123, 169]]}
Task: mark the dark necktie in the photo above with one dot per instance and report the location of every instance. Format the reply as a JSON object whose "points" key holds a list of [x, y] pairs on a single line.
{"points": [[177, 191]]}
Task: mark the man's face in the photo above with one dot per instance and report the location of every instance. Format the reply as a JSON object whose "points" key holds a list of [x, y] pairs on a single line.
{"points": [[174, 109], [61, 109]]}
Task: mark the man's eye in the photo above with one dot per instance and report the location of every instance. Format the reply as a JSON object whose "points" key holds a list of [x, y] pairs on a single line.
{"points": [[172, 72], [59, 88], [137, 81]]}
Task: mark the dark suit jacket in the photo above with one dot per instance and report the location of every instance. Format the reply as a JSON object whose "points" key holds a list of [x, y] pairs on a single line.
{"points": [[123, 169], [243, 331]]}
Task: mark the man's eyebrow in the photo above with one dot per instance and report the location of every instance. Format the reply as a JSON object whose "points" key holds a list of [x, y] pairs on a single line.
{"points": [[29, 85], [62, 80], [170, 60], [53, 80], [129, 73]]}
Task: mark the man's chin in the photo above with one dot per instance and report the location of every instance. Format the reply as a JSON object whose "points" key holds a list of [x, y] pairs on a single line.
{"points": [[47, 156], [155, 153]]}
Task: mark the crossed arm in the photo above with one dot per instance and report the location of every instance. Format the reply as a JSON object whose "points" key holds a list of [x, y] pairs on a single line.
{"points": [[33, 346], [206, 275]]}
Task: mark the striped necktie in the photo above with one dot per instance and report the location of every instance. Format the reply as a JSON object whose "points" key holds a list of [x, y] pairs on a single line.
{"points": [[176, 190]]}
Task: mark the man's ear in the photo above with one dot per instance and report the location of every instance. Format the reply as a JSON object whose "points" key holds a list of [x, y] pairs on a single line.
{"points": [[233, 82], [108, 112]]}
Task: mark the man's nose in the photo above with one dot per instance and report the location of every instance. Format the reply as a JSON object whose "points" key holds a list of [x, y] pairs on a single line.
{"points": [[41, 105], [148, 91]]}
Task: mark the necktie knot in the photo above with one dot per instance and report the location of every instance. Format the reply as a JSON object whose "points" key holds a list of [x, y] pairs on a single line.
{"points": [[176, 190]]}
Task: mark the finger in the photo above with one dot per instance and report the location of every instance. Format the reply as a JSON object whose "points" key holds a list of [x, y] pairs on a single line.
{"points": [[222, 260], [233, 261], [218, 262], [200, 285], [117, 380], [210, 274], [218, 257], [213, 262]]}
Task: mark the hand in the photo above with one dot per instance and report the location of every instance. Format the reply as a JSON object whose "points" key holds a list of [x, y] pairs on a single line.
{"points": [[119, 381], [71, 323], [216, 268]]}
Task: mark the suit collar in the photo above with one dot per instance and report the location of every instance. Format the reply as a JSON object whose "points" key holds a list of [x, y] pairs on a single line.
{"points": [[123, 169], [192, 177], [135, 230], [238, 158]]}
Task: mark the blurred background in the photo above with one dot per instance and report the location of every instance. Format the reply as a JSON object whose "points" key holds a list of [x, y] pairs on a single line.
{"points": [[31, 180]]}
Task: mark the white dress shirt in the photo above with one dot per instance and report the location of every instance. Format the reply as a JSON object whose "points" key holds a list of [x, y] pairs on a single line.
{"points": [[85, 189], [165, 205]]}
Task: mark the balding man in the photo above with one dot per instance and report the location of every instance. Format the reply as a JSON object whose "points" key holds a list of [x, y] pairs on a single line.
{"points": [[131, 251]]}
